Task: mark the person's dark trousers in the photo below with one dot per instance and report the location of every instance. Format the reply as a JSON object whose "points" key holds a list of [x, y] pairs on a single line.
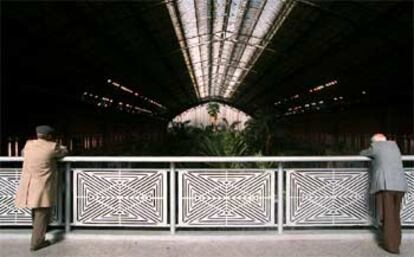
{"points": [[40, 219], [388, 208]]}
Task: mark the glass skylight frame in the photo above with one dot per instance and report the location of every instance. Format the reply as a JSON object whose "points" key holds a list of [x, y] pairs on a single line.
{"points": [[222, 39]]}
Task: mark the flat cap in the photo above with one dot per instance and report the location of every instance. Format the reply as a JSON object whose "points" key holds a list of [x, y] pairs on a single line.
{"points": [[44, 130]]}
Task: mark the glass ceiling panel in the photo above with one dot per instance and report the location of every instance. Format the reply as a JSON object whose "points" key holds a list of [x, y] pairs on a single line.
{"points": [[222, 39]]}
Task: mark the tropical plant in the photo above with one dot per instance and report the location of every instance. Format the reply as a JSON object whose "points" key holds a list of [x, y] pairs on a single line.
{"points": [[223, 143], [231, 127], [182, 138], [260, 133], [213, 109]]}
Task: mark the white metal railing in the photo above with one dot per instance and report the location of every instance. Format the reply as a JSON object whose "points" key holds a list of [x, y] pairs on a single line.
{"points": [[224, 197], [192, 159]]}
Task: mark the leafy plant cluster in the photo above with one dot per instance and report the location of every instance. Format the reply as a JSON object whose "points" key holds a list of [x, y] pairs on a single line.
{"points": [[262, 135]]}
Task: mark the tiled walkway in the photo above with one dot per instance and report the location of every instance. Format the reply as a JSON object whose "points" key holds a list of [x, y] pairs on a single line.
{"points": [[104, 243]]}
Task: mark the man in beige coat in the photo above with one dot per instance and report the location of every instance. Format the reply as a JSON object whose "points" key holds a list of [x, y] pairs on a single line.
{"points": [[38, 181]]}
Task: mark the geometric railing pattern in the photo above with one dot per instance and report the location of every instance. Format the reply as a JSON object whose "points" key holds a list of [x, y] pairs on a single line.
{"points": [[407, 208], [119, 197], [209, 198], [9, 214], [327, 197], [226, 198]]}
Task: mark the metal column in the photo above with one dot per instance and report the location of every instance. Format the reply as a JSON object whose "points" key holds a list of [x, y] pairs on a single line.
{"points": [[172, 198], [280, 199], [67, 198]]}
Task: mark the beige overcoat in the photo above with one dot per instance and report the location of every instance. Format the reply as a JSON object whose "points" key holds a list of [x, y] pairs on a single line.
{"points": [[38, 180]]}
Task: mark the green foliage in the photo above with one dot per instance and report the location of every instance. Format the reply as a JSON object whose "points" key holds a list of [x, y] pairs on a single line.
{"points": [[260, 133], [213, 109], [261, 136], [223, 143], [182, 139], [226, 141], [208, 141]]}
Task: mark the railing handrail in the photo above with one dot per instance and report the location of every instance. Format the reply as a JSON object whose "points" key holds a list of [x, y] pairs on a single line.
{"points": [[195, 159]]}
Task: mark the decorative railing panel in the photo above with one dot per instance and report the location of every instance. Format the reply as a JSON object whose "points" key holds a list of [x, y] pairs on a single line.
{"points": [[226, 198], [206, 198], [327, 197], [407, 209], [121, 197], [9, 214]]}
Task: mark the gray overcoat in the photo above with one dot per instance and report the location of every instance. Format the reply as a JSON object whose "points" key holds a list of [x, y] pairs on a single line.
{"points": [[387, 168]]}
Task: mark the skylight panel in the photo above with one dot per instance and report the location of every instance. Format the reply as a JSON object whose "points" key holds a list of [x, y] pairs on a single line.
{"points": [[222, 39]]}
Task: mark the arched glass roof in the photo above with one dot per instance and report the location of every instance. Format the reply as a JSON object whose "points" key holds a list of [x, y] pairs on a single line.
{"points": [[199, 117], [222, 39]]}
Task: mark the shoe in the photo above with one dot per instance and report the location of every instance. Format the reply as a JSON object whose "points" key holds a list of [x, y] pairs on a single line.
{"points": [[41, 245], [393, 252]]}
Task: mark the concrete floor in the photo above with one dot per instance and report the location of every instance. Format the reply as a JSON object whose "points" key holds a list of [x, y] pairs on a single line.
{"points": [[106, 243]]}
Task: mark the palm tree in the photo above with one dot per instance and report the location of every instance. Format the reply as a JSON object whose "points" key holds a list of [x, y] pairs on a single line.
{"points": [[213, 110]]}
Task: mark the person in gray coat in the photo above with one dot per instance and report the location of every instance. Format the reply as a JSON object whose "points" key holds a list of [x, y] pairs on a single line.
{"points": [[389, 184]]}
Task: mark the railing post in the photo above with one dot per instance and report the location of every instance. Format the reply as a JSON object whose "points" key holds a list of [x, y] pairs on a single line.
{"points": [[67, 198], [280, 198], [172, 198]]}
